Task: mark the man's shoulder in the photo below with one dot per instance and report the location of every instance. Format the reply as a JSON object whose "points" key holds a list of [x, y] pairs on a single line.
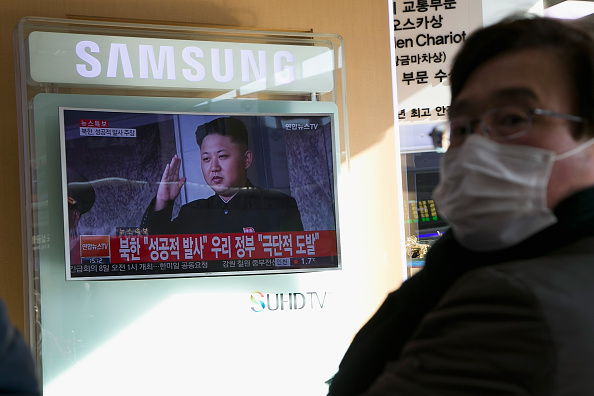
{"points": [[202, 203], [557, 272], [554, 290], [568, 263], [556, 286], [266, 194]]}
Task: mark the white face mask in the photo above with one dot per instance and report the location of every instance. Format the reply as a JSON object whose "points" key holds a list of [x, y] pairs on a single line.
{"points": [[495, 195]]}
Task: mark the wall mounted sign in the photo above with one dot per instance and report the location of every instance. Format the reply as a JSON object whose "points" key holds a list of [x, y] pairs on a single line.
{"points": [[426, 38], [162, 63]]}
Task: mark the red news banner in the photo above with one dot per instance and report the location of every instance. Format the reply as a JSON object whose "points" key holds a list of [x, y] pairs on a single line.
{"points": [[104, 255]]}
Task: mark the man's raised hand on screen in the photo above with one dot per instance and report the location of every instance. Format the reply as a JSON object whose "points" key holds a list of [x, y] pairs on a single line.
{"points": [[170, 184]]}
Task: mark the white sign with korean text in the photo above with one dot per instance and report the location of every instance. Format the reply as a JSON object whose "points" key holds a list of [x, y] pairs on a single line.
{"points": [[427, 35]]}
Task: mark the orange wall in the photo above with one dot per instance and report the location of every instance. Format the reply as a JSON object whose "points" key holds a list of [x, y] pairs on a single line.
{"points": [[371, 228]]}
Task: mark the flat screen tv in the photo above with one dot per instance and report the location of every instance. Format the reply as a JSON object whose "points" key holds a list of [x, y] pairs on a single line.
{"points": [[159, 194]]}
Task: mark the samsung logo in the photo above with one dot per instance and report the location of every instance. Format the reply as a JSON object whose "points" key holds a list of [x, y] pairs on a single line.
{"points": [[153, 62], [287, 301], [196, 64]]}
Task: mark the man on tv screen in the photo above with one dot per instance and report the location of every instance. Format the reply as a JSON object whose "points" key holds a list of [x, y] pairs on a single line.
{"points": [[237, 205]]}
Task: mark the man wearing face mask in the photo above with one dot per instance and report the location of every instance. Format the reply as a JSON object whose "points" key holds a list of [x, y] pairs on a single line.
{"points": [[503, 304]]}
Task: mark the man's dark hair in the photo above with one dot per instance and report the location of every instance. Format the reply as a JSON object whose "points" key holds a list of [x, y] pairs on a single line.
{"points": [[572, 42], [80, 191], [225, 126]]}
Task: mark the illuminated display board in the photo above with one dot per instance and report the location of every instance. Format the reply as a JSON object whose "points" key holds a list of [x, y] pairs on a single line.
{"points": [[281, 219], [84, 59]]}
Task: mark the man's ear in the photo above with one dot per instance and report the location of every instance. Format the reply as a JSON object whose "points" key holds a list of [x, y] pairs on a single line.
{"points": [[249, 157], [75, 217]]}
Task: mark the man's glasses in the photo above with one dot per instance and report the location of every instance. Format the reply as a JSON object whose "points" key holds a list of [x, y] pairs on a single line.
{"points": [[501, 124]]}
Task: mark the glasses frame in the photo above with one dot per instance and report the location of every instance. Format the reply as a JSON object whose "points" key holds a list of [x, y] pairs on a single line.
{"points": [[441, 131]]}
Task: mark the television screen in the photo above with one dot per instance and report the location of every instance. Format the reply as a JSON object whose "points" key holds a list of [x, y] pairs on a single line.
{"points": [[158, 194]]}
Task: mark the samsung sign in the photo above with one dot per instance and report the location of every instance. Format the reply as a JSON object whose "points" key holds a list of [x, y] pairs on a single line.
{"points": [[145, 62]]}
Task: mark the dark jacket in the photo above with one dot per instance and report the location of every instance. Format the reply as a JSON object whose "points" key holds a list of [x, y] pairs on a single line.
{"points": [[380, 343], [251, 210], [17, 371], [521, 328]]}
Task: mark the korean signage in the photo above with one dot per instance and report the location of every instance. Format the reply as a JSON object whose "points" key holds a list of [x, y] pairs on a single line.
{"points": [[427, 34], [162, 63], [184, 255]]}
